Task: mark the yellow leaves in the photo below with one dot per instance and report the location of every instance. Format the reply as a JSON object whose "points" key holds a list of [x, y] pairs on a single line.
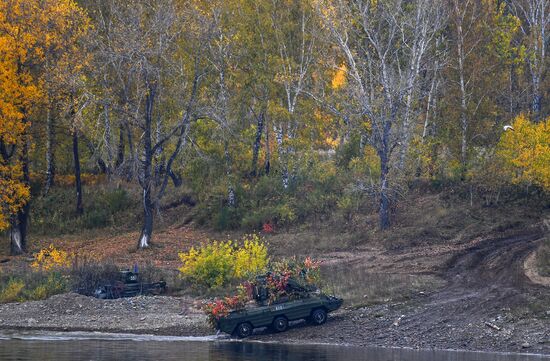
{"points": [[51, 258], [13, 193], [333, 142], [339, 78], [251, 259], [504, 31], [525, 152], [12, 291], [217, 263], [31, 31], [368, 163]]}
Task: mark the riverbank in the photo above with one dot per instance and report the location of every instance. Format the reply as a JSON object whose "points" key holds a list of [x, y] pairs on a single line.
{"points": [[469, 296], [162, 315], [391, 325]]}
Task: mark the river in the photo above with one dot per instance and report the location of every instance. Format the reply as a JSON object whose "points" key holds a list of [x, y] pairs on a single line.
{"points": [[88, 346]]}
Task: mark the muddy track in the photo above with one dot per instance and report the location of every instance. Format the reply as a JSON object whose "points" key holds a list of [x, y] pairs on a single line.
{"points": [[489, 275], [487, 304], [494, 261]]}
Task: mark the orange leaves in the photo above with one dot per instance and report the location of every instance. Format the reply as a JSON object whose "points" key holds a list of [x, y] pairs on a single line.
{"points": [[29, 31]]}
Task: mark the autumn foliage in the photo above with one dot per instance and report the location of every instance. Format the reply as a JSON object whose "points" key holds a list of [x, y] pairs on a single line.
{"points": [[303, 272], [216, 264], [51, 258], [37, 39], [525, 152], [266, 114]]}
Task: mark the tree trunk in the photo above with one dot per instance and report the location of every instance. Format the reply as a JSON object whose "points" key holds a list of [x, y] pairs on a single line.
{"points": [[406, 128], [146, 180], [132, 161], [100, 162], [77, 180], [120, 147], [50, 155], [18, 231], [267, 165], [537, 99], [461, 55], [256, 146], [108, 140], [147, 230], [384, 211], [18, 223], [282, 157], [384, 155], [231, 196], [463, 112], [176, 178]]}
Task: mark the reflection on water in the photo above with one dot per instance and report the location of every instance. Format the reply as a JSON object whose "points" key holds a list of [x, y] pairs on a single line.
{"points": [[95, 346], [357, 286]]}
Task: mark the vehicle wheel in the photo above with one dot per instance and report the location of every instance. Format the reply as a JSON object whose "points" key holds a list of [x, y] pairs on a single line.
{"points": [[244, 330], [280, 324], [319, 316]]}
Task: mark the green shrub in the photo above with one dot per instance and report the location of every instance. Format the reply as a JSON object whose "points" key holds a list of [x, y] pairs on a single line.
{"points": [[55, 212], [49, 284], [280, 214], [11, 292], [210, 265], [117, 200], [218, 263], [32, 286], [227, 218]]}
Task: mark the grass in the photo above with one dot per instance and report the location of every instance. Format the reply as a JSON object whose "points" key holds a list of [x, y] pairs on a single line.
{"points": [[29, 285], [104, 206], [360, 287], [111, 224]]}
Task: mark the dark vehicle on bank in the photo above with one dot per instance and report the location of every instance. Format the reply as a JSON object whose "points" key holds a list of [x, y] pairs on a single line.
{"points": [[304, 303], [129, 285]]}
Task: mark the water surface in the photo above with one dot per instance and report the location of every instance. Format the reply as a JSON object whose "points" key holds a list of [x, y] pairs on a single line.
{"points": [[88, 346]]}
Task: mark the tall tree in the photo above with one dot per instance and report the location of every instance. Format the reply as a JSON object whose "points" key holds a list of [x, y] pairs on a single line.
{"points": [[153, 56], [292, 35], [382, 44], [535, 26], [29, 30]]}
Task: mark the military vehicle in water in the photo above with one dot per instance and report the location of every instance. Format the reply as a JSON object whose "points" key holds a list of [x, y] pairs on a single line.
{"points": [[306, 303]]}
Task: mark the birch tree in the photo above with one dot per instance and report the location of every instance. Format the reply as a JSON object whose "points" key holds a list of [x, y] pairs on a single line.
{"points": [[291, 24], [535, 26], [383, 44]]}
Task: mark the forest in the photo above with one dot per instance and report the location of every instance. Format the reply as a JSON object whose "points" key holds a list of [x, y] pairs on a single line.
{"points": [[268, 113]]}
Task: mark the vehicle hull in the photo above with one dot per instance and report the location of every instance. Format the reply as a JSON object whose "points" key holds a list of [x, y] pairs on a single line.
{"points": [[263, 316]]}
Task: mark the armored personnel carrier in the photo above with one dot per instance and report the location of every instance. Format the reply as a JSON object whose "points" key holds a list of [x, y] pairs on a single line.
{"points": [[299, 302]]}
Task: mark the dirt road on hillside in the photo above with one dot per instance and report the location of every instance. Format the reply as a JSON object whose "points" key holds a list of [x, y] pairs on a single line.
{"points": [[488, 304]]}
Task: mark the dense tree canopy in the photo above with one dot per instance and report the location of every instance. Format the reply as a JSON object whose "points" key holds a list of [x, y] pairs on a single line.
{"points": [[38, 42], [270, 112]]}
